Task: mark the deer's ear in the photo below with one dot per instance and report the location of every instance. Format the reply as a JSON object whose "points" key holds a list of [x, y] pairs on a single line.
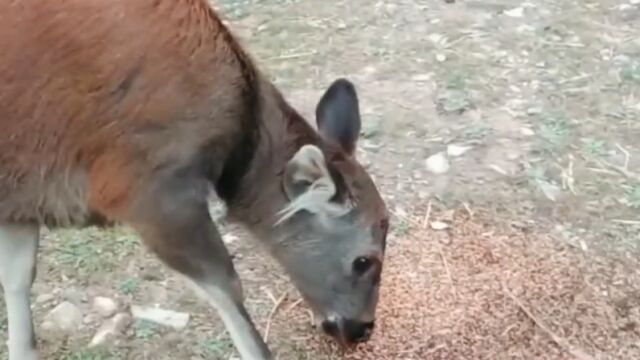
{"points": [[308, 185], [338, 114], [306, 170]]}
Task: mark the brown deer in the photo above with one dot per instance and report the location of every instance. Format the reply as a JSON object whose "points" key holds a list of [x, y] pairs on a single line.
{"points": [[132, 112]]}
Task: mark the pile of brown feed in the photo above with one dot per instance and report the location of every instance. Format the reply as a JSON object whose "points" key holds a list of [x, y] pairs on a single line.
{"points": [[474, 291]]}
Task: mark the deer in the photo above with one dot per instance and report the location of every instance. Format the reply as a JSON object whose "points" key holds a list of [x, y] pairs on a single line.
{"points": [[135, 112]]}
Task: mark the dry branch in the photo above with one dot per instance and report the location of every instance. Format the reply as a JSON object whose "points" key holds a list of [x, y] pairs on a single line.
{"points": [[579, 354]]}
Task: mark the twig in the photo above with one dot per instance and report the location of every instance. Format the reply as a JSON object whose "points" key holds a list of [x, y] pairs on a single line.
{"points": [[567, 176], [627, 156], [458, 40], [400, 104], [575, 78], [564, 44], [293, 306], [447, 270], [468, 208], [620, 169], [563, 343], [602, 171], [425, 224], [427, 216], [275, 308], [293, 56], [626, 222], [270, 295]]}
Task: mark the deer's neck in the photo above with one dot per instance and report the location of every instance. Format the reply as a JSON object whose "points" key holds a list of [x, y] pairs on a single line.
{"points": [[281, 132]]}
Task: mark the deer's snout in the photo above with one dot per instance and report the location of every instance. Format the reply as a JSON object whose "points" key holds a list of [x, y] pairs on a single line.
{"points": [[349, 331]]}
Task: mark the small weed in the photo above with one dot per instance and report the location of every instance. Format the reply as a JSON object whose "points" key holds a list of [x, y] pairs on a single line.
{"points": [[594, 147], [235, 8], [129, 286], [630, 72], [455, 102], [145, 329], [555, 131], [217, 347], [633, 196], [78, 250], [401, 227], [477, 132], [91, 354], [455, 98], [371, 128], [457, 81], [92, 249], [536, 174]]}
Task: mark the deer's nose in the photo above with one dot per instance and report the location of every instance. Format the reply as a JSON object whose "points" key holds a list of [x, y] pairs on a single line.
{"points": [[357, 331]]}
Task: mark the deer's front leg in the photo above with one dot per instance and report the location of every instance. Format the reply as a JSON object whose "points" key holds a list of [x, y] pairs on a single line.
{"points": [[173, 218], [18, 250]]}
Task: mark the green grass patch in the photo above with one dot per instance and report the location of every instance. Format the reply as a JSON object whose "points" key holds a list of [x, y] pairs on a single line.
{"points": [[129, 286], [594, 147], [630, 72], [91, 354], [145, 329], [92, 249], [633, 196], [218, 348], [555, 131]]}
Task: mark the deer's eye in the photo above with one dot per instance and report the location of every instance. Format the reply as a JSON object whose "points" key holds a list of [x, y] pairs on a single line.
{"points": [[361, 265]]}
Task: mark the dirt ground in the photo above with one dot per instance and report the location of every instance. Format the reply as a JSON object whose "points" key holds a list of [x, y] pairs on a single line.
{"points": [[527, 247]]}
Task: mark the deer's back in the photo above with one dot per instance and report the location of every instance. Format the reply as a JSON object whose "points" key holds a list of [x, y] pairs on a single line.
{"points": [[97, 95]]}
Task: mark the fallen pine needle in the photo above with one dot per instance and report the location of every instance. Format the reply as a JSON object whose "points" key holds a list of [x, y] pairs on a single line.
{"points": [[427, 216], [626, 222], [293, 306], [275, 308], [466, 207], [563, 343], [425, 223]]}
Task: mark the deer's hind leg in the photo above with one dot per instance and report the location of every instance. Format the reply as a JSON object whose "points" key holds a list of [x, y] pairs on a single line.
{"points": [[18, 253], [173, 219]]}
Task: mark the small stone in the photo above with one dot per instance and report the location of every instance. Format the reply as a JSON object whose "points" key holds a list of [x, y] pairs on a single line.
{"points": [[437, 38], [371, 128], [157, 294], [439, 225], [44, 298], [229, 238], [422, 77], [369, 70], [634, 2], [525, 131], [65, 317], [438, 163], [173, 319], [104, 306], [111, 329], [498, 169], [455, 150], [517, 12], [447, 215], [441, 57], [74, 295], [551, 191]]}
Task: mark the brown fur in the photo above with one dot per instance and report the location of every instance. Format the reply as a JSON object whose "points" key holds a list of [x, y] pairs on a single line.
{"points": [[110, 91], [130, 110], [106, 93]]}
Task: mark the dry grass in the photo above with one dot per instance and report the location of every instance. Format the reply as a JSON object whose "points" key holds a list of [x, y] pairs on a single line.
{"points": [[514, 296]]}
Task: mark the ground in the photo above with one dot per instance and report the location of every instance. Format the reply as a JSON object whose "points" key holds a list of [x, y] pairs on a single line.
{"points": [[527, 247]]}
